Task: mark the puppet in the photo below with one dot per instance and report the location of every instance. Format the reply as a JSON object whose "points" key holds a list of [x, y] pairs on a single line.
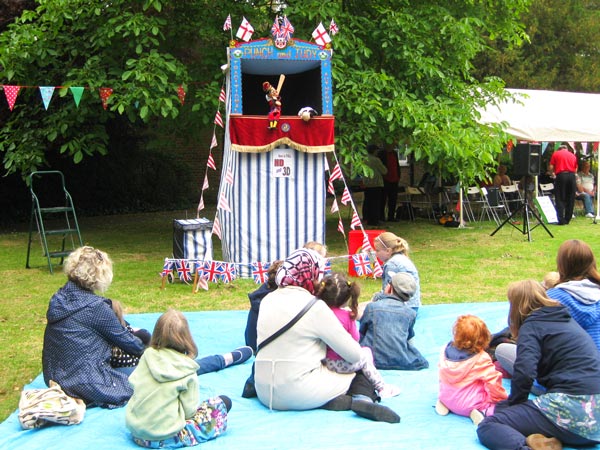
{"points": [[307, 113], [274, 99]]}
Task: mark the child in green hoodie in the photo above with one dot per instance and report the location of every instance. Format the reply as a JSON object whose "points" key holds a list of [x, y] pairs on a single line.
{"points": [[165, 409]]}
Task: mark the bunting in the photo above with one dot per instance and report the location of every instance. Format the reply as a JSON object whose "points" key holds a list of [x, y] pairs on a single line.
{"points": [[216, 229], [11, 93], [205, 184], [362, 264], [222, 95], [334, 206], [224, 203], [260, 271], [211, 162], [346, 197], [181, 94], [77, 92], [105, 93], [355, 220], [213, 143], [46, 92], [219, 119], [340, 227]]}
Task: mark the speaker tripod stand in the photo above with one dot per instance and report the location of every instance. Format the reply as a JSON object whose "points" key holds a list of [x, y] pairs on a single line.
{"points": [[526, 209]]}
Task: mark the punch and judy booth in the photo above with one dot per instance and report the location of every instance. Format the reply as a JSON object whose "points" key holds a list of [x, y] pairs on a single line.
{"points": [[273, 189]]}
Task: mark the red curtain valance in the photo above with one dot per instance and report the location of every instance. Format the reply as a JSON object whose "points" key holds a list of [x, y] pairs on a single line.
{"points": [[250, 134]]}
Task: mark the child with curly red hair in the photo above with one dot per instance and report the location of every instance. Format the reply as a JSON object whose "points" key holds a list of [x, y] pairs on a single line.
{"points": [[470, 385]]}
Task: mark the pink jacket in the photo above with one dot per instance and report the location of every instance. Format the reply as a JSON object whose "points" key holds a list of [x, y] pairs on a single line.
{"points": [[469, 384]]}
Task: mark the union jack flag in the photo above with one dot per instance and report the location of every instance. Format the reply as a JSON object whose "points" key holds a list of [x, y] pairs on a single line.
{"points": [[346, 197], [259, 271], [362, 264], [355, 220], [219, 119], [212, 271], [183, 270], [276, 28], [287, 29], [211, 162], [227, 24], [333, 28], [167, 268]]}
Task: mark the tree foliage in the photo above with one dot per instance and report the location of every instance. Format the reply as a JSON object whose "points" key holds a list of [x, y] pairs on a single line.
{"points": [[562, 52], [402, 72]]}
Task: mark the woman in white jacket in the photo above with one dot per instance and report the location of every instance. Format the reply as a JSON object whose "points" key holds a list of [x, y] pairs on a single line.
{"points": [[289, 373]]}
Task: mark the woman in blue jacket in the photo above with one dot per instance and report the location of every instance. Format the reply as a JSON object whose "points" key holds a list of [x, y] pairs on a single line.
{"points": [[554, 350]]}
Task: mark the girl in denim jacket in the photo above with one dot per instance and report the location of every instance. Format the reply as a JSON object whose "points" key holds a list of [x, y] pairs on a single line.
{"points": [[393, 251]]}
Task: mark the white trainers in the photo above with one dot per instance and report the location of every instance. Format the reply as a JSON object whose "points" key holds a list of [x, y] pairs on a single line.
{"points": [[589, 215], [389, 391], [441, 409], [476, 416]]}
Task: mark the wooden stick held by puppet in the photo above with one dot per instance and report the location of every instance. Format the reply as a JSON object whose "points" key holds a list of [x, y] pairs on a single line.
{"points": [[274, 99]]}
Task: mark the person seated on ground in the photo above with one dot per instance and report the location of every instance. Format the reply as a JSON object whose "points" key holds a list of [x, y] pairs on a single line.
{"points": [[586, 189], [551, 279], [289, 372], [470, 385], [120, 358], [394, 251], [501, 178], [165, 409], [387, 327], [82, 329], [554, 349], [579, 285], [341, 296]]}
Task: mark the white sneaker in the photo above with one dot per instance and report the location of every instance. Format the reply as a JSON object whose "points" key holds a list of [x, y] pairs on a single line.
{"points": [[389, 391], [589, 215], [441, 409]]}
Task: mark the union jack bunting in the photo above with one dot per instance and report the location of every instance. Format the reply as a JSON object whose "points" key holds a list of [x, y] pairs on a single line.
{"points": [[327, 268], [167, 268], [334, 206], [222, 95], [377, 270], [211, 162], [183, 270], [216, 229], [366, 245], [346, 197], [218, 119], [211, 271], [340, 227], [362, 264], [229, 273], [223, 202], [355, 220], [259, 271]]}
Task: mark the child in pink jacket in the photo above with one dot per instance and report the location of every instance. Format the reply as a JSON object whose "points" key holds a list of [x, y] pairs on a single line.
{"points": [[470, 385]]}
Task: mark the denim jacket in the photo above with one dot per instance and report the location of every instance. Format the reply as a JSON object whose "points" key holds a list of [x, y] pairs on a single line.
{"points": [[386, 327], [399, 262]]}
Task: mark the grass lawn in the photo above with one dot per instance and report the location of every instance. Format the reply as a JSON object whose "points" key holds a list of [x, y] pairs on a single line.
{"points": [[455, 265]]}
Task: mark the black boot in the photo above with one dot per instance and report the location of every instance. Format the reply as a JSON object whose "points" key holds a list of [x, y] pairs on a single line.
{"points": [[374, 411]]}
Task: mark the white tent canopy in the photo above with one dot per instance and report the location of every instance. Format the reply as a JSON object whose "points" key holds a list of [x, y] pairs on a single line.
{"points": [[549, 116]]}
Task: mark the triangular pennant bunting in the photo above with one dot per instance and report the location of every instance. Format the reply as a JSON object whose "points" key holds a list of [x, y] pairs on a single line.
{"points": [[181, 94], [211, 162], [334, 207], [46, 92], [11, 93], [105, 93], [77, 92]]}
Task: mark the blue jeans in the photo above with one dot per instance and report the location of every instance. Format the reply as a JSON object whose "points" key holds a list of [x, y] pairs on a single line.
{"points": [[510, 425], [211, 363], [587, 201]]}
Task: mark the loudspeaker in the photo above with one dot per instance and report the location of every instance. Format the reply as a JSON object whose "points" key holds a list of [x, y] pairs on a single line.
{"points": [[527, 159]]}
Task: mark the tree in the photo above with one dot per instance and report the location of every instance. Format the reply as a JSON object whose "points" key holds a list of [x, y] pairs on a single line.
{"points": [[562, 52], [402, 72]]}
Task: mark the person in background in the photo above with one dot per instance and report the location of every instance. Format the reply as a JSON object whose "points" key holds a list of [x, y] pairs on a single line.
{"points": [[586, 189], [501, 178], [556, 351], [563, 163], [341, 296], [470, 385], [373, 187], [389, 157], [165, 409], [387, 327]]}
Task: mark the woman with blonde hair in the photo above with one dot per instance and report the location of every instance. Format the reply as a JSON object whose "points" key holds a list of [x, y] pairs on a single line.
{"points": [[555, 350], [394, 252], [82, 328]]}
